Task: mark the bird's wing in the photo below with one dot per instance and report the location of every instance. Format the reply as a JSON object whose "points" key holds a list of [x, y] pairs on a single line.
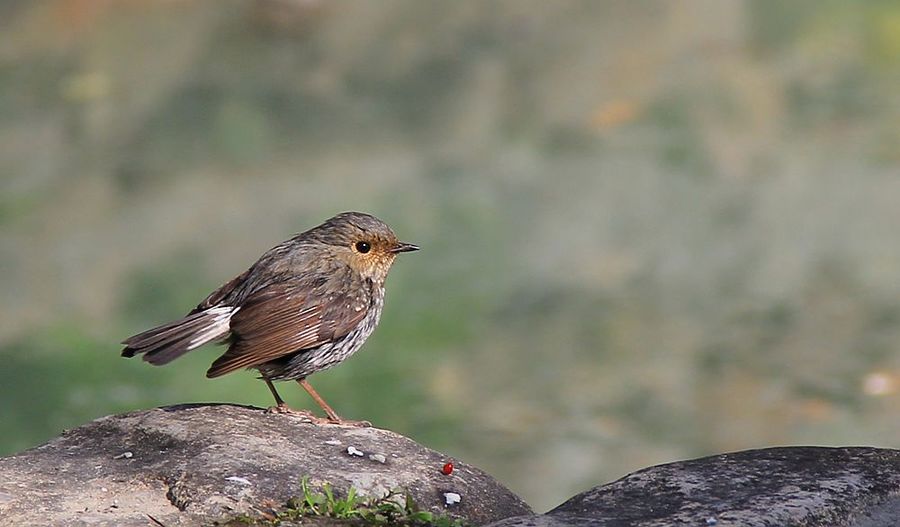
{"points": [[282, 319]]}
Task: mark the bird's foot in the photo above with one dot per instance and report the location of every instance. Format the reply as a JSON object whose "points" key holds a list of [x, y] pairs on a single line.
{"points": [[310, 417], [306, 415], [349, 422]]}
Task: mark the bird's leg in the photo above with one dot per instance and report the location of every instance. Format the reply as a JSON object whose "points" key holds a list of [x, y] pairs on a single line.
{"points": [[281, 407], [279, 402], [318, 399], [333, 417]]}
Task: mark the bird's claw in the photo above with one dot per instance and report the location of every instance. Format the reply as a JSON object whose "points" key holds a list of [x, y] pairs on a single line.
{"points": [[349, 422], [310, 417], [284, 409]]}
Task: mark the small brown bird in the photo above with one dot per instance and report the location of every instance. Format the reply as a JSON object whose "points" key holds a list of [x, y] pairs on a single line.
{"points": [[304, 306]]}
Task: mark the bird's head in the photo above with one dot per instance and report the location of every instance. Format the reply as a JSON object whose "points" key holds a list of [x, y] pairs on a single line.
{"points": [[363, 242]]}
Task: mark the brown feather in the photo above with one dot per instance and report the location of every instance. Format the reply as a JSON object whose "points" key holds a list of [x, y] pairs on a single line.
{"points": [[165, 343], [280, 320]]}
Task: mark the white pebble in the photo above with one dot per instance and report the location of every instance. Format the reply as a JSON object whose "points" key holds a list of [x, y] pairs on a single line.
{"points": [[354, 452], [452, 498], [238, 479], [334, 442], [378, 457]]}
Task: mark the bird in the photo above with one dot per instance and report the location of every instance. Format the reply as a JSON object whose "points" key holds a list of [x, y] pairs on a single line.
{"points": [[306, 305]]}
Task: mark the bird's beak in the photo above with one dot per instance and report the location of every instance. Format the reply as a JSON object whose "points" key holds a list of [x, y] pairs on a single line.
{"points": [[404, 248]]}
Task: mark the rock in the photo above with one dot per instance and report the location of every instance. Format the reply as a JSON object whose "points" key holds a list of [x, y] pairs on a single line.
{"points": [[196, 464], [772, 487]]}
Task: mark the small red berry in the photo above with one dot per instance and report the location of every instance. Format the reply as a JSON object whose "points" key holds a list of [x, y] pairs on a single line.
{"points": [[447, 469]]}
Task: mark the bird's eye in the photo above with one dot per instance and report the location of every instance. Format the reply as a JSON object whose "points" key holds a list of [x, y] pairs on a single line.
{"points": [[363, 247]]}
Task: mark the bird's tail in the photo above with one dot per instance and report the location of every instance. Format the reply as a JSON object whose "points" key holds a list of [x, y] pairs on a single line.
{"points": [[166, 343]]}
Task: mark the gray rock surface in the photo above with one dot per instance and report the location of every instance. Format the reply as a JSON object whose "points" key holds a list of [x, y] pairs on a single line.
{"points": [[195, 464], [773, 487]]}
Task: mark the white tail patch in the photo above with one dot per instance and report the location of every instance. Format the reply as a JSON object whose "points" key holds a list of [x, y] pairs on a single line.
{"points": [[216, 328]]}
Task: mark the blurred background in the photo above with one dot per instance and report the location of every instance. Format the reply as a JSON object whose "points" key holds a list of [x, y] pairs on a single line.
{"points": [[650, 230]]}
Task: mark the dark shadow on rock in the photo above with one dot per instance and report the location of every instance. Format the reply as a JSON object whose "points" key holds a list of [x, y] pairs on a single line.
{"points": [[190, 406]]}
